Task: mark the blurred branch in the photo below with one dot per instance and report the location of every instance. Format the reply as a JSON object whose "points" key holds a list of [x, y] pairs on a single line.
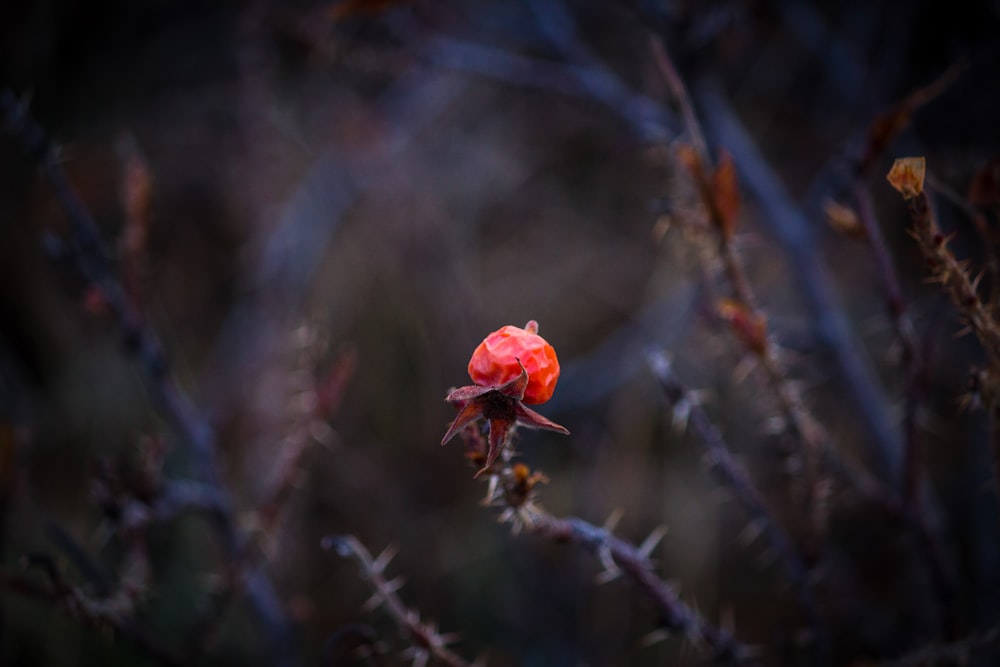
{"points": [[794, 232], [596, 78], [579, 73], [909, 360], [113, 608], [724, 466], [617, 555], [425, 640], [92, 260], [718, 189]]}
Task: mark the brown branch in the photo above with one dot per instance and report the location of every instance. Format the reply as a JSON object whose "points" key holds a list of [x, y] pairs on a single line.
{"points": [[424, 638], [633, 562], [87, 250], [793, 232], [717, 188], [732, 475], [116, 610]]}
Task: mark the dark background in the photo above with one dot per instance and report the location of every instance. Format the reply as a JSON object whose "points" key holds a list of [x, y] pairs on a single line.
{"points": [[390, 177]]}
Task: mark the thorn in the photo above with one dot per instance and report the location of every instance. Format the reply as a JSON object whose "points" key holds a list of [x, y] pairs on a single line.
{"points": [[743, 369], [750, 532], [655, 637], [394, 585], [606, 577], [384, 559], [492, 490], [652, 540], [321, 432], [373, 603], [612, 521], [607, 560], [679, 415]]}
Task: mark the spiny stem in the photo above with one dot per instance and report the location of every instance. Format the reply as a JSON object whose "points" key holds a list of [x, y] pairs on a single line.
{"points": [[423, 636], [729, 472], [632, 561]]}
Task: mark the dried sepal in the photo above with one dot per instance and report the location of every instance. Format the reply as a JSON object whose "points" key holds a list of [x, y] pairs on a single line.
{"points": [[907, 176], [502, 408], [726, 194]]}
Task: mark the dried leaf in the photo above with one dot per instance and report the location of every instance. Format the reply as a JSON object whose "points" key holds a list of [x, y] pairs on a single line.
{"points": [[907, 176], [726, 192]]}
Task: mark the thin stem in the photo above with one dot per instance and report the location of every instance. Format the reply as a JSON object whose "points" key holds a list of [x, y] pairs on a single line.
{"points": [[902, 326], [675, 615], [809, 432], [732, 475], [424, 637], [792, 231]]}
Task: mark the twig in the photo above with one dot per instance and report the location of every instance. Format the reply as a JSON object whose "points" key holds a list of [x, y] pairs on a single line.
{"points": [[732, 475], [563, 78], [114, 610], [907, 177], [91, 258], [425, 640], [902, 325], [792, 230], [634, 562], [717, 188]]}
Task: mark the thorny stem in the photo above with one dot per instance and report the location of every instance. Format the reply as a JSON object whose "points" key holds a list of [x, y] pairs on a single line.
{"points": [[807, 429], [92, 261], [953, 276], [631, 560], [424, 638], [114, 610], [732, 475]]}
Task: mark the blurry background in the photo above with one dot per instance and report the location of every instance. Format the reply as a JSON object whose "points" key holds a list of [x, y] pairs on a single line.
{"points": [[405, 177]]}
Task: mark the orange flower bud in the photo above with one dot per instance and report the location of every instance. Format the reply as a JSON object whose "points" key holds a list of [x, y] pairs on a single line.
{"points": [[495, 361]]}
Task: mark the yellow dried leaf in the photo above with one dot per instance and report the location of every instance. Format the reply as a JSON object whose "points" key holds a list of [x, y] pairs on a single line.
{"points": [[907, 176]]}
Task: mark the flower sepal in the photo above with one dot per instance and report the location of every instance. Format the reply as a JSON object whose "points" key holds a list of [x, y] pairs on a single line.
{"points": [[502, 407]]}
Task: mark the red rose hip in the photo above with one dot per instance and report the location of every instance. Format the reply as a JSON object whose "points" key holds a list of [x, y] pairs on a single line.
{"points": [[495, 361]]}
